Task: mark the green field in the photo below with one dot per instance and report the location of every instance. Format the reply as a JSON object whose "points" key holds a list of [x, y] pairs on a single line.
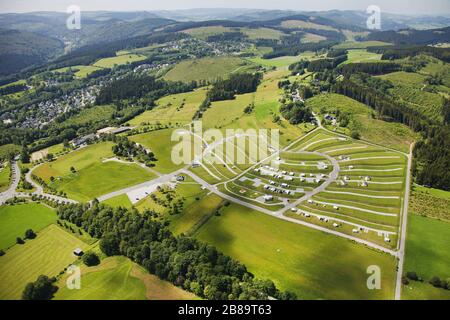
{"points": [[118, 60], [48, 254], [230, 113], [360, 44], [314, 265], [427, 254], [80, 71], [119, 201], [209, 68], [300, 24], [194, 214], [16, 219], [91, 115], [118, 278], [389, 134], [361, 55], [4, 176], [159, 142], [93, 177], [175, 108], [252, 33], [101, 178], [282, 61]]}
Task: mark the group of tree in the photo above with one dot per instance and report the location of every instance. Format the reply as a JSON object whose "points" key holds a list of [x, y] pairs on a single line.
{"points": [[131, 150], [42, 289], [183, 261], [403, 51], [280, 50], [412, 36], [239, 83], [296, 112], [13, 89], [139, 86], [373, 68], [431, 166], [235, 36]]}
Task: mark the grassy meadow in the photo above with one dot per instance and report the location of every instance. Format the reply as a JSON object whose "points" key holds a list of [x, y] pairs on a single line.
{"points": [[118, 278], [208, 68], [5, 172], [16, 219], [312, 264], [48, 254], [118, 60], [389, 134], [93, 177], [175, 108], [427, 254]]}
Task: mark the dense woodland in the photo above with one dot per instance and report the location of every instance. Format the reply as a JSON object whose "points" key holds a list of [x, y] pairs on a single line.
{"points": [[135, 87], [238, 83], [184, 261]]}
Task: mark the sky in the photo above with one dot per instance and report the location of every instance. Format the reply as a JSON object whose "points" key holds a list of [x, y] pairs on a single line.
{"points": [[392, 6]]}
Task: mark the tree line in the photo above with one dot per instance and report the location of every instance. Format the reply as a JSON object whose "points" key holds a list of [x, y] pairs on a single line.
{"points": [[186, 262]]}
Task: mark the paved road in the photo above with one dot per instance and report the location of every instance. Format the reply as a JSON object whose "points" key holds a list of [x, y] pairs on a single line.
{"points": [[40, 191], [331, 178], [15, 178], [402, 239], [161, 179]]}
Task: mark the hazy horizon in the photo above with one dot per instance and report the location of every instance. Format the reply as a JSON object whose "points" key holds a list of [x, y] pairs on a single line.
{"points": [[406, 7]]}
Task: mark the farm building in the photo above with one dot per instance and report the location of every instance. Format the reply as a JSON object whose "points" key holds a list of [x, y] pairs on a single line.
{"points": [[78, 252]]}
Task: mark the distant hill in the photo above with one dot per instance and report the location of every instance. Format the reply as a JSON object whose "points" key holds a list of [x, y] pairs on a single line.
{"points": [[22, 49], [413, 37], [95, 26], [389, 21]]}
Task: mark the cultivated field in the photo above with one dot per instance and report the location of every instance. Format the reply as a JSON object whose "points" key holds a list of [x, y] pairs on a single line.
{"points": [[48, 254], [429, 202]]}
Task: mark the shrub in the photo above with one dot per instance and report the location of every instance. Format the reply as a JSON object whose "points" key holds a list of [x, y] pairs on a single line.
{"points": [[91, 259], [29, 234]]}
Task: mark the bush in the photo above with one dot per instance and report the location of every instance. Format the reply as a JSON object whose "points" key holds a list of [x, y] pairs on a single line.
{"points": [[29, 234], [2, 253], [411, 275], [41, 289], [405, 281], [436, 282], [19, 240], [91, 259]]}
